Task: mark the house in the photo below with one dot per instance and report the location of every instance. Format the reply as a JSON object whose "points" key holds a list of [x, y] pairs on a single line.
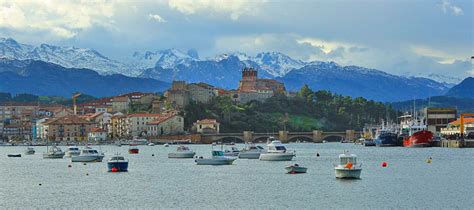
{"points": [[119, 126], [202, 92], [120, 104], [97, 135], [137, 123], [207, 126], [69, 128], [177, 96], [41, 129], [167, 124]]}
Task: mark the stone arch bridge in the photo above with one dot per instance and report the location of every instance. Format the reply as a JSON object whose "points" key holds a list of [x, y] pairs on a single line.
{"points": [[316, 136]]}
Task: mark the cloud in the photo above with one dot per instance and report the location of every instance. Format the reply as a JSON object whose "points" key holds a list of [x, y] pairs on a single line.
{"points": [[440, 56], [63, 19], [446, 6], [235, 8], [157, 18]]}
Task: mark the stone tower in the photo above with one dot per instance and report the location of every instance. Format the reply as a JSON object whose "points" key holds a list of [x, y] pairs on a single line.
{"points": [[249, 80]]}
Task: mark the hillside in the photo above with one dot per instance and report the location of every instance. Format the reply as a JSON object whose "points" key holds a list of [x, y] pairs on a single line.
{"points": [[465, 89]]}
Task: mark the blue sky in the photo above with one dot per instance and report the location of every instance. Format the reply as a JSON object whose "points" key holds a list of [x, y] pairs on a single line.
{"points": [[404, 37]]}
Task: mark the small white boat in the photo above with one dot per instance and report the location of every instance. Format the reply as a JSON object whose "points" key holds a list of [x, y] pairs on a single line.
{"points": [[217, 158], [88, 155], [232, 152], [139, 141], [166, 145], [251, 152], [182, 152], [151, 144], [30, 151], [347, 167], [296, 169], [276, 152], [73, 151], [117, 163], [54, 152]]}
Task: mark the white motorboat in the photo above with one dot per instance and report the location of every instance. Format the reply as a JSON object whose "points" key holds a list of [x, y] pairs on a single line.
{"points": [[276, 152], [137, 141], [88, 154], [232, 152], [30, 151], [218, 158], [296, 169], [151, 144], [72, 151], [182, 152], [251, 152], [54, 152], [166, 145], [348, 167]]}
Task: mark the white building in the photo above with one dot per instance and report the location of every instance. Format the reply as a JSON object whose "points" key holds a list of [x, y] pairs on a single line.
{"points": [[137, 123], [97, 135], [207, 126], [168, 124]]}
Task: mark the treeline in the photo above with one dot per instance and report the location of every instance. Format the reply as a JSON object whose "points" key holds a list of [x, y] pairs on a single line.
{"points": [[26, 97], [307, 111]]}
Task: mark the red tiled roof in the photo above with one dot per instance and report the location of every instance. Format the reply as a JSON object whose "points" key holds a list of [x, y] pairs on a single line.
{"points": [[120, 99], [207, 121], [458, 121], [161, 119], [97, 130], [144, 115]]}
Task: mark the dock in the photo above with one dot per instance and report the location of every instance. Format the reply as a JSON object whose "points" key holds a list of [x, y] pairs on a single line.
{"points": [[468, 143]]}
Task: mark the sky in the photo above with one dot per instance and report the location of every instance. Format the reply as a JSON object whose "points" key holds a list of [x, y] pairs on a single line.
{"points": [[403, 37]]}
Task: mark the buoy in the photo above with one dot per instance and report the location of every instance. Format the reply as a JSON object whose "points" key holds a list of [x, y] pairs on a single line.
{"points": [[39, 184], [69, 166], [384, 164], [317, 154], [153, 155], [85, 163], [87, 174], [428, 161], [114, 169]]}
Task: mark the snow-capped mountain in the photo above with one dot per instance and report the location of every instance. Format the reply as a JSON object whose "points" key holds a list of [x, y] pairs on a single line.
{"points": [[69, 57], [164, 58], [277, 64], [447, 80]]}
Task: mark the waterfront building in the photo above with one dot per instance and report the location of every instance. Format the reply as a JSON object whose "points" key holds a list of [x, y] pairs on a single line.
{"points": [[167, 124], [119, 126], [41, 129], [97, 135], [437, 118], [69, 128], [120, 104], [207, 126], [137, 123], [453, 128]]}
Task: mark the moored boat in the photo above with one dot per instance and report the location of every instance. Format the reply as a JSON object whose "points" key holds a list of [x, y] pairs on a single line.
{"points": [[53, 152], [182, 152], [296, 169], [117, 163], [14, 155], [251, 152], [88, 154], [217, 158], [72, 151], [415, 132], [276, 151], [232, 152], [347, 167], [386, 138], [133, 149], [369, 142], [30, 151]]}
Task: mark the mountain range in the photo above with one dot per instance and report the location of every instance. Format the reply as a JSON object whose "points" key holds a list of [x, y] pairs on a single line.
{"points": [[224, 70]]}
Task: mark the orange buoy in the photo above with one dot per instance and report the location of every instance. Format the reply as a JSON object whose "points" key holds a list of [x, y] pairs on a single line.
{"points": [[348, 165], [114, 169], [384, 164]]}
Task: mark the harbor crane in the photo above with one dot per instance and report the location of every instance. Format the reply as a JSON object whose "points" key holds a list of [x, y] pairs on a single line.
{"points": [[74, 97], [462, 122]]}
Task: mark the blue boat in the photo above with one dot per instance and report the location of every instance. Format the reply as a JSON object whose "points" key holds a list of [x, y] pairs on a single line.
{"points": [[117, 163], [386, 138]]}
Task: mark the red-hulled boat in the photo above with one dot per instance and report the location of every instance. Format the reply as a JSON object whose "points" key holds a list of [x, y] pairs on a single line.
{"points": [[133, 149], [422, 138]]}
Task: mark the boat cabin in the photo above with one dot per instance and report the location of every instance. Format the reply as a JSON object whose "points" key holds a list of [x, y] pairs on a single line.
{"points": [[346, 158], [182, 148], [217, 153], [89, 151], [276, 146], [117, 158]]}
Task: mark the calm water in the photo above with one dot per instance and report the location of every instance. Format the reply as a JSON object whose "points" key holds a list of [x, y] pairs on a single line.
{"points": [[157, 181]]}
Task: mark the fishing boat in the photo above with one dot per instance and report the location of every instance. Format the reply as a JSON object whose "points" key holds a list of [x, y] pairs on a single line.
{"points": [[88, 154], [276, 151], [386, 137], [117, 163], [53, 152], [369, 142], [14, 155], [251, 152], [182, 152], [415, 132], [295, 169], [133, 149], [347, 168], [30, 151], [218, 158], [73, 151]]}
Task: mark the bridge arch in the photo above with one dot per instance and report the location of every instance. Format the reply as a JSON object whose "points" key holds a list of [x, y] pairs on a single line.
{"points": [[258, 139], [301, 138], [229, 139], [333, 137]]}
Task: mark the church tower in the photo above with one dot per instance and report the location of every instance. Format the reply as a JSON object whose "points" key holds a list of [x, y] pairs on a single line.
{"points": [[249, 79]]}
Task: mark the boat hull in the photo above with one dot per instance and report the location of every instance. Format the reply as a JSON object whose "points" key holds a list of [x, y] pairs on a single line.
{"points": [[276, 156], [53, 156], [345, 173], [249, 155], [387, 140], [29, 152], [419, 139], [87, 158], [133, 151], [296, 169], [212, 161], [72, 154], [120, 166], [14, 155], [181, 155]]}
